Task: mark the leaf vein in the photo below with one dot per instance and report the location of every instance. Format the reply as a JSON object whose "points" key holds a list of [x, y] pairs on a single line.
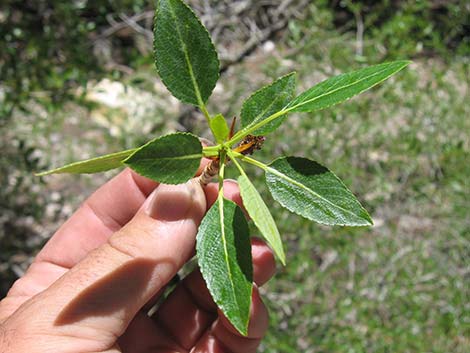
{"points": [[302, 186], [339, 88]]}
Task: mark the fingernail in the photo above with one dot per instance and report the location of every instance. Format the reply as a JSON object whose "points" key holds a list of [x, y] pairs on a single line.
{"points": [[171, 202]]}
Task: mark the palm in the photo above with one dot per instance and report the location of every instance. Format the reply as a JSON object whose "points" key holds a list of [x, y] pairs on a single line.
{"points": [[187, 321]]}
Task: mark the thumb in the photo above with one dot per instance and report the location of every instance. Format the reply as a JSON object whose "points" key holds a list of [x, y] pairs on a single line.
{"points": [[115, 281]]}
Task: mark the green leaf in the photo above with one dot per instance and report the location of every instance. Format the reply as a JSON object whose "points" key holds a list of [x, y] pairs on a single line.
{"points": [[93, 165], [170, 159], [224, 256], [267, 101], [186, 59], [261, 216], [219, 128], [340, 88], [312, 191]]}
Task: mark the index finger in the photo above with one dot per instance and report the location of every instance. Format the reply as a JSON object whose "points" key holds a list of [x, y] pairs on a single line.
{"points": [[106, 211], [103, 213]]}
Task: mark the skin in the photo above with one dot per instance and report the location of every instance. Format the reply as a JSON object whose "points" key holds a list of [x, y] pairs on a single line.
{"points": [[91, 287]]}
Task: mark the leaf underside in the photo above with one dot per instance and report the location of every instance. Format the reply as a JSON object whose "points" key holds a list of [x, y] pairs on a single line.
{"points": [[93, 165], [261, 216], [185, 56], [224, 257], [267, 101], [312, 191], [340, 88], [170, 159]]}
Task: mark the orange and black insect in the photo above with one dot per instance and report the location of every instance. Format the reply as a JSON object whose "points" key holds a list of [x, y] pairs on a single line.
{"points": [[246, 146], [250, 144]]}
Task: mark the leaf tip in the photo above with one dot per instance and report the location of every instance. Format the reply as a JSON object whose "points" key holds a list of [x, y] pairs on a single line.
{"points": [[365, 221], [366, 217], [292, 73], [281, 255], [243, 330], [402, 64]]}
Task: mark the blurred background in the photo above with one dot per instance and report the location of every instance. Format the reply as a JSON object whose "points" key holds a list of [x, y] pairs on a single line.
{"points": [[77, 79]]}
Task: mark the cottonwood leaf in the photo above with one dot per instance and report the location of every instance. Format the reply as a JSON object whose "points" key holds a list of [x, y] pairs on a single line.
{"points": [[185, 56], [170, 159], [261, 216], [340, 88], [224, 257], [93, 165], [267, 101], [219, 128], [312, 191]]}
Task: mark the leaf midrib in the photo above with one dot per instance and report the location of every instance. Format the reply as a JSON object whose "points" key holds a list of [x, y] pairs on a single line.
{"points": [[152, 159], [224, 242], [271, 224], [260, 115], [339, 88], [186, 56], [116, 156]]}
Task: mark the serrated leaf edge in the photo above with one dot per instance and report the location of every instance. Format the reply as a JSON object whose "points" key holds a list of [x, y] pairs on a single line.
{"points": [[201, 102], [289, 108], [294, 182], [293, 73], [243, 330], [163, 137]]}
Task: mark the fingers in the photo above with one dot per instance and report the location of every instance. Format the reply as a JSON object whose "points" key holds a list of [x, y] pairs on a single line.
{"points": [[109, 286], [181, 304], [231, 192], [192, 300], [105, 290], [102, 214], [224, 338], [264, 264], [111, 206]]}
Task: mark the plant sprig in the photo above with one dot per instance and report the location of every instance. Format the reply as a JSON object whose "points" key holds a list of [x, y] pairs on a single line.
{"points": [[188, 65]]}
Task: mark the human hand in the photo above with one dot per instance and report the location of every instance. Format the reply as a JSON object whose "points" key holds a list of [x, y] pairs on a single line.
{"points": [[91, 287]]}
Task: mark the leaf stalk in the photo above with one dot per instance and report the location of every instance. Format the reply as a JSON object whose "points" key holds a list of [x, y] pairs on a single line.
{"points": [[250, 129]]}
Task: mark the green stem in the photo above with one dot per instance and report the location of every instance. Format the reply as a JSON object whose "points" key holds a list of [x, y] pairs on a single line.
{"points": [[210, 153], [211, 148], [221, 176], [248, 130], [249, 160], [204, 111], [233, 158]]}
